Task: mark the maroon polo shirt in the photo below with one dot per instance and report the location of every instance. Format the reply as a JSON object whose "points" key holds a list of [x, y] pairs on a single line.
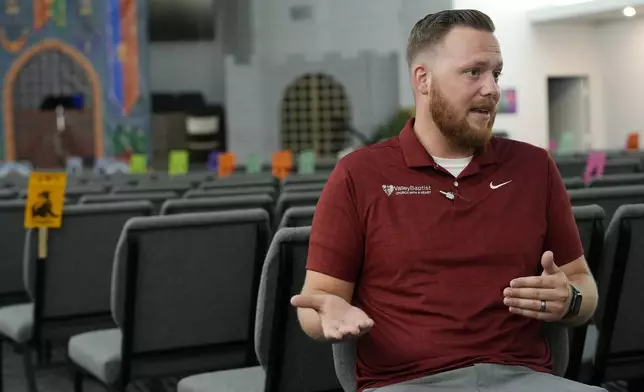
{"points": [[430, 271]]}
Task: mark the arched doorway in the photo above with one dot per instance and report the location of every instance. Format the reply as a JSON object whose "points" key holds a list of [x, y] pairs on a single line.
{"points": [[51, 68], [315, 115]]}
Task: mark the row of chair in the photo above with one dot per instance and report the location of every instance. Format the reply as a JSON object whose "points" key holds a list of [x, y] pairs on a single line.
{"points": [[152, 181], [70, 290], [617, 346], [576, 166], [165, 273]]}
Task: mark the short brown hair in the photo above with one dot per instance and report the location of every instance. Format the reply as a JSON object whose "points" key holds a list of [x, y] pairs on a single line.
{"points": [[431, 30]]}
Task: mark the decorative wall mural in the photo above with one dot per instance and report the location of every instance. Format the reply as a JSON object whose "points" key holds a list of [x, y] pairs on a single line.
{"points": [[45, 10], [126, 140], [12, 7], [13, 42], [85, 7], [55, 53], [123, 54]]}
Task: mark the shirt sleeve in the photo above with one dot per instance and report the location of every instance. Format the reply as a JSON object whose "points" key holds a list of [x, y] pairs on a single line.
{"points": [[336, 246], [562, 234]]}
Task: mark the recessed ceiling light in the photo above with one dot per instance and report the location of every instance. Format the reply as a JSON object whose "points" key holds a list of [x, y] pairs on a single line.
{"points": [[629, 11]]}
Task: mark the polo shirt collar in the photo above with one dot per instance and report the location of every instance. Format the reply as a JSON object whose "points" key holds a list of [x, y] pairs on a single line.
{"points": [[416, 156]]}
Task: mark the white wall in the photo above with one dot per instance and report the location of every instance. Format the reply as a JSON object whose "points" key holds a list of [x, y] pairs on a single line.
{"points": [[621, 45], [381, 26], [530, 56]]}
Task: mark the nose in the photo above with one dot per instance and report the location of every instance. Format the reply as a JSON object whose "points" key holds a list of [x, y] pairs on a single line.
{"points": [[490, 87]]}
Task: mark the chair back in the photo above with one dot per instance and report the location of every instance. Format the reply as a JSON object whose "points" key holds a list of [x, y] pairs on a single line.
{"points": [[75, 192], [295, 199], [293, 361], [73, 283], [8, 194], [223, 203], [306, 178], [12, 248], [608, 198], [231, 191], [298, 217], [170, 279], [619, 317], [154, 186], [241, 180], [156, 198], [618, 180], [304, 187]]}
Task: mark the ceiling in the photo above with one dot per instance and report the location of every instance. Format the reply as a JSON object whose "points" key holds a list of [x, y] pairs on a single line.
{"points": [[588, 12]]}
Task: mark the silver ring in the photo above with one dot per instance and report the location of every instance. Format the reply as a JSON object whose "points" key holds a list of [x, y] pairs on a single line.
{"points": [[543, 306]]}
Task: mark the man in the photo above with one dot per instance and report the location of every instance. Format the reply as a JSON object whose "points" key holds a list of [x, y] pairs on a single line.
{"points": [[443, 250]]}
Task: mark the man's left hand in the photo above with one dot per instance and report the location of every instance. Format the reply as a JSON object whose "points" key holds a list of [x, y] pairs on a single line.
{"points": [[546, 297]]}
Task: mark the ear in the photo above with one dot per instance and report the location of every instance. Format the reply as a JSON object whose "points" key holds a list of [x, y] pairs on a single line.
{"points": [[421, 78]]}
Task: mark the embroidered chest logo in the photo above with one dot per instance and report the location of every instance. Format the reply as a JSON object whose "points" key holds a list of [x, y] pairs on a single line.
{"points": [[407, 190]]}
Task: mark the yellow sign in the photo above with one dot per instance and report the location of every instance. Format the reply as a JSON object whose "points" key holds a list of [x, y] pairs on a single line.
{"points": [[45, 199]]}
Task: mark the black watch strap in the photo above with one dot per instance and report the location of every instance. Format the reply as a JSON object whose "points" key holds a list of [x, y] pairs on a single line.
{"points": [[575, 301]]}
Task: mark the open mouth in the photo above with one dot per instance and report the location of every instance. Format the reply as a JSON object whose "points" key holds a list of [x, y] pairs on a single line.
{"points": [[480, 111]]}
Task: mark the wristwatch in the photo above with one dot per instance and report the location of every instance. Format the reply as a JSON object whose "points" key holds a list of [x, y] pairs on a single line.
{"points": [[575, 302]]}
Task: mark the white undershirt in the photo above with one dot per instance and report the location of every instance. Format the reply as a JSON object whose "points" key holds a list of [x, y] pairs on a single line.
{"points": [[453, 165]]}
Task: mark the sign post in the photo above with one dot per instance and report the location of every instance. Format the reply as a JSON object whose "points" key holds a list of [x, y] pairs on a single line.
{"points": [[44, 207]]}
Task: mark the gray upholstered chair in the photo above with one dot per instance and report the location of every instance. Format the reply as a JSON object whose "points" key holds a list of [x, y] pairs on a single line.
{"points": [[590, 224], [156, 198], [295, 199], [297, 217], [184, 290], [289, 360], [609, 198], [231, 191], [12, 239], [154, 186], [619, 352], [344, 355], [8, 193], [305, 187], [241, 180], [221, 203], [315, 178], [70, 290]]}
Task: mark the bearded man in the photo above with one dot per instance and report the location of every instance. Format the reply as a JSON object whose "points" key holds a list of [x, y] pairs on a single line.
{"points": [[444, 250]]}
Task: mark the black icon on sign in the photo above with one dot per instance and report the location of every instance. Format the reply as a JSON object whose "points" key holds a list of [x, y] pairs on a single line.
{"points": [[42, 208]]}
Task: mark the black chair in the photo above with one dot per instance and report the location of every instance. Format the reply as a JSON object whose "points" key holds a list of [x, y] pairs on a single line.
{"points": [[590, 223], [618, 180], [298, 217], [184, 290], [222, 203], [156, 198], [69, 288], [608, 198], [12, 244], [619, 318], [290, 361]]}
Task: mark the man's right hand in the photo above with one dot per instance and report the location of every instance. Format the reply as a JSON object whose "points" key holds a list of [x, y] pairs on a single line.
{"points": [[340, 320]]}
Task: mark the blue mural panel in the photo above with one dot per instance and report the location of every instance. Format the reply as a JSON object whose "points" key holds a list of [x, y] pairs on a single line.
{"points": [[94, 51]]}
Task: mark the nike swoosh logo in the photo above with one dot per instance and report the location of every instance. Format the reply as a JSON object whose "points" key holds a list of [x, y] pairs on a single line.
{"points": [[500, 185]]}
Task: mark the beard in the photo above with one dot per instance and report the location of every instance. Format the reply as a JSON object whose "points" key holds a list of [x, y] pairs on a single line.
{"points": [[460, 133]]}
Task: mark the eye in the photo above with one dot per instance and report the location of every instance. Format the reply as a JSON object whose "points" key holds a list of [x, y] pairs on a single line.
{"points": [[497, 75], [475, 72]]}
